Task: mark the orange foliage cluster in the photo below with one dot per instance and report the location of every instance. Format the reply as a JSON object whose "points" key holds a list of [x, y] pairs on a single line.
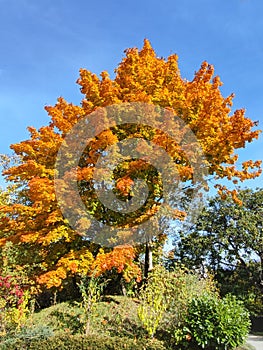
{"points": [[121, 258], [142, 77], [83, 263]]}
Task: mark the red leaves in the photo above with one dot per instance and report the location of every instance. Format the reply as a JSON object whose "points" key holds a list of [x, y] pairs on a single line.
{"points": [[10, 291]]}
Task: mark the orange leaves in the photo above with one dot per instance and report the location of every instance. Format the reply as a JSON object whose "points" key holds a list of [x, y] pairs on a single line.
{"points": [[141, 76], [28, 170], [144, 77], [120, 258], [185, 172], [84, 174], [37, 155], [109, 89], [104, 139], [82, 262], [205, 73], [102, 92], [64, 115], [232, 173], [223, 192], [41, 191], [89, 83], [250, 164], [124, 185], [52, 278], [75, 262], [42, 143], [83, 224]]}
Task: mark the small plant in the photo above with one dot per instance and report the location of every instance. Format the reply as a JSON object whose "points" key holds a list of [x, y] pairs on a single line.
{"points": [[91, 289], [154, 300]]}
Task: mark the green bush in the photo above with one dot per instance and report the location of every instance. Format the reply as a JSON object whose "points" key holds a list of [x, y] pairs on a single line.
{"points": [[214, 324], [80, 342], [165, 298]]}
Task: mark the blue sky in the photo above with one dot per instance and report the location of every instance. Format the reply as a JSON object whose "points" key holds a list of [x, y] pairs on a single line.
{"points": [[44, 43]]}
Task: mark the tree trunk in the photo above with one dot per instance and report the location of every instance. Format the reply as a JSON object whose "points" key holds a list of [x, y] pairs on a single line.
{"points": [[148, 265]]}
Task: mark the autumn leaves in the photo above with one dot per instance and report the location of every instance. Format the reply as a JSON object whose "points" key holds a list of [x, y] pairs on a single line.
{"points": [[190, 132]]}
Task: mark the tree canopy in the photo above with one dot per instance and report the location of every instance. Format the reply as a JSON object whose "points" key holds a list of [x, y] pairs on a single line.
{"points": [[37, 221]]}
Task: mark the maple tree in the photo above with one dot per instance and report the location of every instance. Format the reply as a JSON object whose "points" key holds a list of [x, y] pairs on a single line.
{"points": [[37, 221]]}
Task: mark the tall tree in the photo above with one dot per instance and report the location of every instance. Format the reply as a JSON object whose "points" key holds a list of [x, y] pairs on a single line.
{"points": [[140, 77], [228, 238]]}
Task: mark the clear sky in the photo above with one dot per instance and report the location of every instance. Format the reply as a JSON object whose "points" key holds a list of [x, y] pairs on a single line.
{"points": [[45, 42]]}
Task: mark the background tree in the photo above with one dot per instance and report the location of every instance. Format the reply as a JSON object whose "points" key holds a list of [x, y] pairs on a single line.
{"points": [[228, 239], [59, 252]]}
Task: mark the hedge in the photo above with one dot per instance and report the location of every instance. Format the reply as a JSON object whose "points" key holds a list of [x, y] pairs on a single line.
{"points": [[81, 342]]}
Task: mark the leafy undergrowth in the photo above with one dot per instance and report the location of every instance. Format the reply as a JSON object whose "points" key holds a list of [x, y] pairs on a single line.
{"points": [[114, 317]]}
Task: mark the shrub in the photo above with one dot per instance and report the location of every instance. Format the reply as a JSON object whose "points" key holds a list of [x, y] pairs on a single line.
{"points": [[80, 342], [165, 298], [154, 300], [13, 303], [91, 290], [184, 286], [214, 324], [25, 335]]}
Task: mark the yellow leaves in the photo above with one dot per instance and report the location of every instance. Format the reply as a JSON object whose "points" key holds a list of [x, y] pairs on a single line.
{"points": [[77, 262], [56, 234]]}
